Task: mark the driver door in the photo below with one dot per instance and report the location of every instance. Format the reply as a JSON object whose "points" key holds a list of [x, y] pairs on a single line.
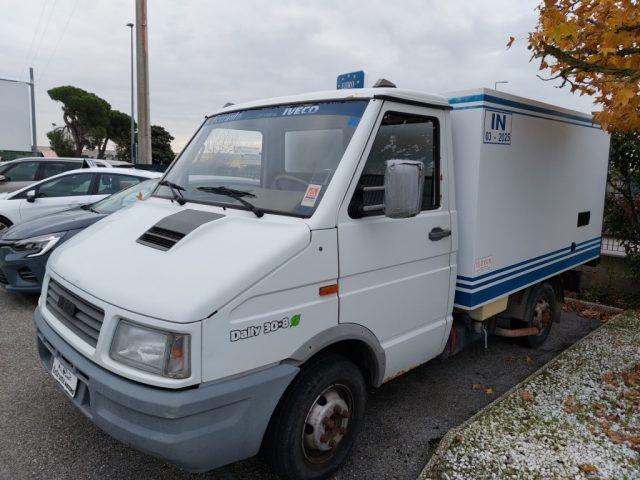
{"points": [[59, 194], [395, 273]]}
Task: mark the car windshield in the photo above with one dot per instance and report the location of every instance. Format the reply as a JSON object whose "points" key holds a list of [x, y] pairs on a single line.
{"points": [[124, 198], [280, 159]]}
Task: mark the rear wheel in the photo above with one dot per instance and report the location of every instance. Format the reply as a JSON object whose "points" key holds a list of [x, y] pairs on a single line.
{"points": [[316, 423], [540, 312]]}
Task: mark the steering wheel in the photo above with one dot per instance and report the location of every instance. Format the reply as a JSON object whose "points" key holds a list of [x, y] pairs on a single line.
{"points": [[279, 178]]}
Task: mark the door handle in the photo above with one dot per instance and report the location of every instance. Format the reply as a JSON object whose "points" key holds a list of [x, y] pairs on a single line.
{"points": [[438, 234]]}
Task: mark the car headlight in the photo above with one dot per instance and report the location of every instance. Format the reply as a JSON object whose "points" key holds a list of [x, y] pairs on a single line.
{"points": [[41, 244], [152, 350]]}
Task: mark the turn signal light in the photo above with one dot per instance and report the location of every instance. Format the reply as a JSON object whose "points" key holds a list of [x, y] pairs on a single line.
{"points": [[329, 289]]}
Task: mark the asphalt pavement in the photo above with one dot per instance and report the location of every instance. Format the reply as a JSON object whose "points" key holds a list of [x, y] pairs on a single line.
{"points": [[43, 436]]}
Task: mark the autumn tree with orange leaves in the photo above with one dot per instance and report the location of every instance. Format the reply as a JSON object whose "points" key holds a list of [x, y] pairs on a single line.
{"points": [[594, 47]]}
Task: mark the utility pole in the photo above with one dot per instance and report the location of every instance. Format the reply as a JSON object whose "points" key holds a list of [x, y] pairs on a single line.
{"points": [[495, 84], [34, 141], [133, 122], [144, 125]]}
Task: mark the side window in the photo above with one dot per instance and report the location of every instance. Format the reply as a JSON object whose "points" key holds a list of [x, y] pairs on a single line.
{"points": [[111, 183], [402, 136], [22, 172], [67, 186], [49, 169]]}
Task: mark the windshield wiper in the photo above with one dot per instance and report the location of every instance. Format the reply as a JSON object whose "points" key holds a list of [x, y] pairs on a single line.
{"points": [[89, 206], [176, 190], [236, 195]]}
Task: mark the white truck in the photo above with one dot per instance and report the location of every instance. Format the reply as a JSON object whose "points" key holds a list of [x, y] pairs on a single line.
{"points": [[302, 249]]}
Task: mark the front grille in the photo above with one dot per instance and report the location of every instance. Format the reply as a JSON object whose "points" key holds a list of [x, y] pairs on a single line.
{"points": [[160, 238], [78, 315], [3, 279]]}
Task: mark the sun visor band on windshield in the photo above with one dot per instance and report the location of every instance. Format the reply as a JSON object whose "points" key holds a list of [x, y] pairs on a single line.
{"points": [[352, 108]]}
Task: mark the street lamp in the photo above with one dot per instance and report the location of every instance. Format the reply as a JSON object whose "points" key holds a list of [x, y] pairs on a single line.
{"points": [[495, 84], [133, 127]]}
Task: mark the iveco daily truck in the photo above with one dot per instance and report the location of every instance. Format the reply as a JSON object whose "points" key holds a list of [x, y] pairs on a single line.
{"points": [[302, 249]]}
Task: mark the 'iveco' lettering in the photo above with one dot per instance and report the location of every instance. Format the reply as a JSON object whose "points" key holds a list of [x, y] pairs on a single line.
{"points": [[301, 110]]}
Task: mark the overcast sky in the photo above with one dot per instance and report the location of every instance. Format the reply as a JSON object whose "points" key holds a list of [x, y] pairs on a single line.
{"points": [[206, 53]]}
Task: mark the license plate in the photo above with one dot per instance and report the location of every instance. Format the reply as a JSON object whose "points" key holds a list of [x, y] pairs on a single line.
{"points": [[65, 377]]}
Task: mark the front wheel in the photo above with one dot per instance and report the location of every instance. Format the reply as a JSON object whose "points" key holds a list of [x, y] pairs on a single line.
{"points": [[316, 423]]}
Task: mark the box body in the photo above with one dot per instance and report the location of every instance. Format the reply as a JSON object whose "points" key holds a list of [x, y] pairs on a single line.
{"points": [[530, 185]]}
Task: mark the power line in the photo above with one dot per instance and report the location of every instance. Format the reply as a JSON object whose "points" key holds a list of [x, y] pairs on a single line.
{"points": [[44, 31], [33, 38], [55, 49]]}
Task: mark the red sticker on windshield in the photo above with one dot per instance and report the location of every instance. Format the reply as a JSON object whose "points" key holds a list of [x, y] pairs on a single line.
{"points": [[311, 195]]}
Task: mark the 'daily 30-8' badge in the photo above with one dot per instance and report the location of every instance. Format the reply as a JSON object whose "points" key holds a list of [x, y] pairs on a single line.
{"points": [[265, 328]]}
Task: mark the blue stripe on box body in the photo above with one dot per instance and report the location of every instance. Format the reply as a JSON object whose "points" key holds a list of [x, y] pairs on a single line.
{"points": [[471, 292], [587, 121]]}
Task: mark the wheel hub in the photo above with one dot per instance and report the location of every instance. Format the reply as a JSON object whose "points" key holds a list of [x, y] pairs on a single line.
{"points": [[326, 422], [542, 314]]}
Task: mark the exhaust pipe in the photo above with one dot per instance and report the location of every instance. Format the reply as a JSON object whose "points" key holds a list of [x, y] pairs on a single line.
{"points": [[516, 332]]}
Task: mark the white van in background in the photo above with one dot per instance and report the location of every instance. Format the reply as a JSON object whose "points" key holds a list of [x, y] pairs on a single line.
{"points": [[302, 248]]}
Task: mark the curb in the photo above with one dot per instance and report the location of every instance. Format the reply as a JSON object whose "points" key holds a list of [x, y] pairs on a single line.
{"points": [[448, 438], [606, 308]]}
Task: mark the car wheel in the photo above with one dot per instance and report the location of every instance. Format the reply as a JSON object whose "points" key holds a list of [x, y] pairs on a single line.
{"points": [[316, 422], [540, 312]]}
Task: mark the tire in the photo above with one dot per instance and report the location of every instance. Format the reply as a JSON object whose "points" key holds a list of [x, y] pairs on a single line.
{"points": [[540, 312], [310, 434], [5, 223]]}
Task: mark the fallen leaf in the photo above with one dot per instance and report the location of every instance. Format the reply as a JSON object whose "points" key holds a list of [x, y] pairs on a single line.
{"points": [[615, 437], [570, 405], [477, 386], [588, 468], [527, 395], [528, 359], [488, 391]]}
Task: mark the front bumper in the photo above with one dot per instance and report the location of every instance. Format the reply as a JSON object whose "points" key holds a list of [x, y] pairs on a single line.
{"points": [[198, 429], [19, 273]]}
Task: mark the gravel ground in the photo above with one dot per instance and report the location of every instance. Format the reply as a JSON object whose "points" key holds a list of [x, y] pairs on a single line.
{"points": [[578, 418], [43, 436]]}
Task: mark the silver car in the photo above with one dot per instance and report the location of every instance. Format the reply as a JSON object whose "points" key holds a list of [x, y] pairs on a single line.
{"points": [[25, 171]]}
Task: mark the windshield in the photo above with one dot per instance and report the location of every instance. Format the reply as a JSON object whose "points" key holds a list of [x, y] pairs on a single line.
{"points": [[283, 157], [126, 197]]}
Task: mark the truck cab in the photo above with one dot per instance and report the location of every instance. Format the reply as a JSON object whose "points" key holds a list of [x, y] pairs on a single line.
{"points": [[298, 251]]}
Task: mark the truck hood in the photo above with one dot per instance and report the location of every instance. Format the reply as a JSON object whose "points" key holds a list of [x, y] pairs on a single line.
{"points": [[206, 269]]}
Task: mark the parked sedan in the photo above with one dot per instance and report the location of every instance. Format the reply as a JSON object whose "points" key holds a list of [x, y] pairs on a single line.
{"points": [[21, 172], [25, 248], [69, 189]]}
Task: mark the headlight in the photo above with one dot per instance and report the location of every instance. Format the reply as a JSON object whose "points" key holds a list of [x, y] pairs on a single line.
{"points": [[155, 351], [41, 244]]}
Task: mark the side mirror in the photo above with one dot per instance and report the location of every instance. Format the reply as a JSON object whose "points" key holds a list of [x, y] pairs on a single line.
{"points": [[403, 186], [31, 196], [3, 179]]}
